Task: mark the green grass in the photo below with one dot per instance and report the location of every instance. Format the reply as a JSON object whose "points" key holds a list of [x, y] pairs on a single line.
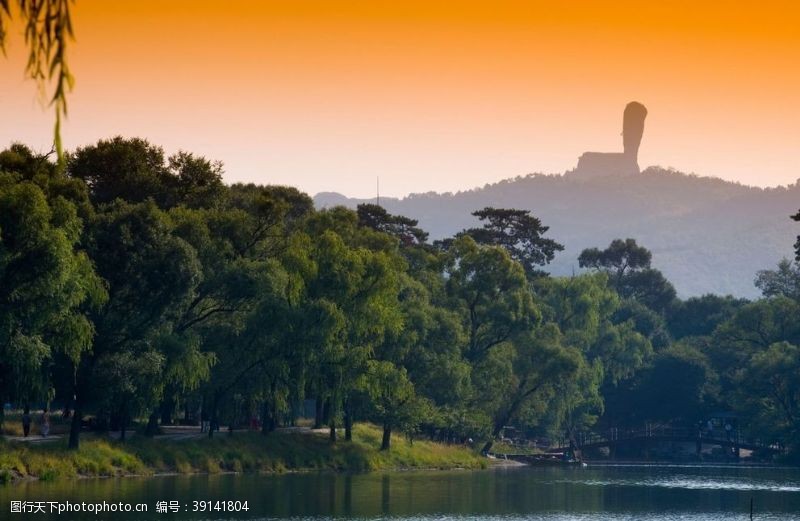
{"points": [[242, 452], [53, 460]]}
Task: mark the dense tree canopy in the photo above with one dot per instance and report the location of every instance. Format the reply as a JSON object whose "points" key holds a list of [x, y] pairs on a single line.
{"points": [[139, 288]]}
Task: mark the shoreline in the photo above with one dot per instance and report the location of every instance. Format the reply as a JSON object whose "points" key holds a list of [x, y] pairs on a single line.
{"points": [[81, 477], [498, 464], [250, 452]]}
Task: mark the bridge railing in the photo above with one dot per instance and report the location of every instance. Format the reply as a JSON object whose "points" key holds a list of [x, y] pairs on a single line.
{"points": [[734, 437]]}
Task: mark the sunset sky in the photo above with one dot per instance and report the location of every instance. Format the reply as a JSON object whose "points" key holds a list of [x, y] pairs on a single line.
{"points": [[428, 95]]}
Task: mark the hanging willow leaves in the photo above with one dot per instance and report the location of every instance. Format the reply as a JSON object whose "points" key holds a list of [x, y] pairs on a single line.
{"points": [[48, 29]]}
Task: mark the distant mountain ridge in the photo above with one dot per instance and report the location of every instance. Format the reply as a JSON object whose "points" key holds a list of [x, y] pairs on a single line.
{"points": [[707, 235]]}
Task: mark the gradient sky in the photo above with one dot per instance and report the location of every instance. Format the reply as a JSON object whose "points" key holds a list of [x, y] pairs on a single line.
{"points": [[428, 95]]}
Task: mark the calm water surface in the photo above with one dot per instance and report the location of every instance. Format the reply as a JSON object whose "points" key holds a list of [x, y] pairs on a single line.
{"points": [[514, 494]]}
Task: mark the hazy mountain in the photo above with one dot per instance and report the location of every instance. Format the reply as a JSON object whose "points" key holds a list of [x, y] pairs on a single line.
{"points": [[706, 234]]}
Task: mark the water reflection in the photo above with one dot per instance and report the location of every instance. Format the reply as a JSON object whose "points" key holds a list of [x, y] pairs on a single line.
{"points": [[594, 493]]}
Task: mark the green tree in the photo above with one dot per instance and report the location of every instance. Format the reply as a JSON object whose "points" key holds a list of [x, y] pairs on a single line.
{"points": [[584, 308], [258, 350], [617, 259], [519, 233], [129, 169], [358, 273], [393, 400], [648, 323], [25, 165], [678, 387], [769, 392], [575, 402], [752, 330], [135, 170], [246, 243], [514, 364], [405, 229], [429, 346], [130, 381], [587, 312], [649, 287], [253, 265], [151, 275], [541, 363], [700, 316], [628, 267], [491, 292], [427, 349], [197, 182], [781, 282], [47, 282]]}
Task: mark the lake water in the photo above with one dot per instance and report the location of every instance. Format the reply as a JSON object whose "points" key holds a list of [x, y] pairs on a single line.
{"points": [[617, 493]]}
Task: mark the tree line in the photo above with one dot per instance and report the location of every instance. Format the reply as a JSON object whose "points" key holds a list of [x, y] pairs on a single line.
{"points": [[136, 286]]}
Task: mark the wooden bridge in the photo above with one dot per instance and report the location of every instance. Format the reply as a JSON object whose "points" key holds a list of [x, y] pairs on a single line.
{"points": [[732, 441]]}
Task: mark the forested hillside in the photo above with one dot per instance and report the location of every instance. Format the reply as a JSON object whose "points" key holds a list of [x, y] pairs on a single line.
{"points": [[707, 235]]}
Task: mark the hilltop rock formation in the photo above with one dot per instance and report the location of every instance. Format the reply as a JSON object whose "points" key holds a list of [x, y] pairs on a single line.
{"points": [[604, 164]]}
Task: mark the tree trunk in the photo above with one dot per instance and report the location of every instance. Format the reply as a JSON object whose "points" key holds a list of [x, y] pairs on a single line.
{"points": [[495, 432], [348, 420], [318, 408], [327, 410], [152, 425], [264, 414], [167, 408], [268, 421], [273, 406], [386, 444], [296, 408], [66, 412], [498, 426], [123, 421], [75, 428], [332, 434], [213, 420], [203, 413]]}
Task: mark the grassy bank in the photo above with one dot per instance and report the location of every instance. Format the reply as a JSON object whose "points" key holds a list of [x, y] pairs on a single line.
{"points": [[242, 452]]}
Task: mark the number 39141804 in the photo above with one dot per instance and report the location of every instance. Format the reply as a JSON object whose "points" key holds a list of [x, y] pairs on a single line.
{"points": [[220, 506]]}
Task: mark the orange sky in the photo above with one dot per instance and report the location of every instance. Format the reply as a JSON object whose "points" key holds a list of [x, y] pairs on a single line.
{"points": [[429, 95]]}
